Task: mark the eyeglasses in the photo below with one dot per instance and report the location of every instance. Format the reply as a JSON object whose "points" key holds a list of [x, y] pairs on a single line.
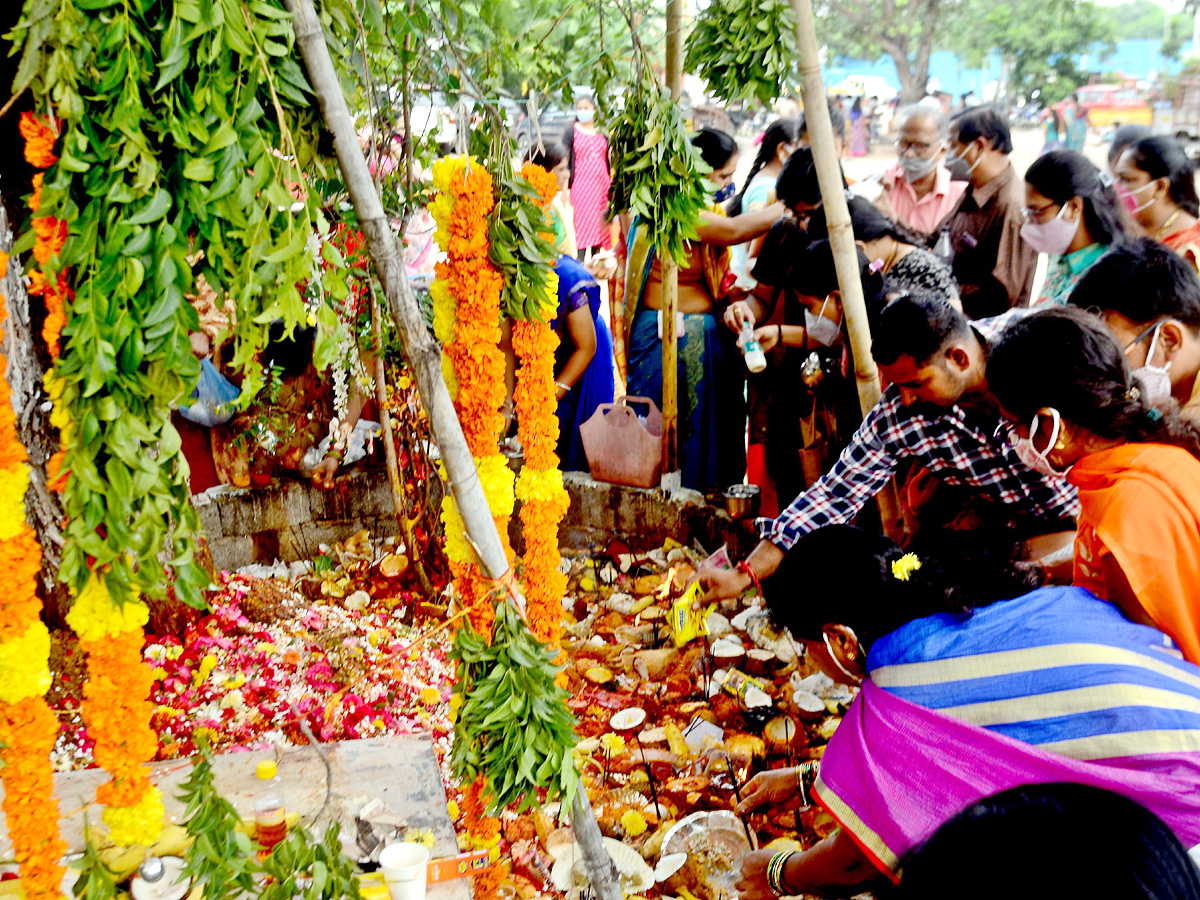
{"points": [[1141, 337], [920, 148], [1035, 213]]}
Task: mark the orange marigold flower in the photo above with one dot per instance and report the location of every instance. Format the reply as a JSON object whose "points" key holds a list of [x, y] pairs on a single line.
{"points": [[39, 141], [545, 183], [51, 236], [27, 733], [35, 199], [56, 475]]}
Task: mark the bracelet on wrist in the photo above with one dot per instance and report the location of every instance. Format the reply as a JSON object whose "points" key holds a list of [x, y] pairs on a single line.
{"points": [[775, 878], [744, 567], [561, 386], [780, 327]]}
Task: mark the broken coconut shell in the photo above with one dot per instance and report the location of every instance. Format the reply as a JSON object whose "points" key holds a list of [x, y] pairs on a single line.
{"points": [[783, 735]]}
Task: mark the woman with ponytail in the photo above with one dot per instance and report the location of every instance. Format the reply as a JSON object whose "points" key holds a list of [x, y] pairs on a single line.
{"points": [[1077, 410], [964, 694], [758, 190]]}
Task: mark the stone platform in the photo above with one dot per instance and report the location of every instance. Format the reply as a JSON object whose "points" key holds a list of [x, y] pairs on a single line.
{"points": [[400, 771], [289, 519]]}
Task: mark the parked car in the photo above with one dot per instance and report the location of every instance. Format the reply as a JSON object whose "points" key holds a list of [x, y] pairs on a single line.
{"points": [[553, 121]]}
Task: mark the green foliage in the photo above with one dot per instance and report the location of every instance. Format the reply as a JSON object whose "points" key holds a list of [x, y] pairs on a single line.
{"points": [[299, 866], [95, 881], [744, 49], [225, 862], [519, 247], [657, 173], [220, 858], [183, 125], [1041, 40], [514, 725]]}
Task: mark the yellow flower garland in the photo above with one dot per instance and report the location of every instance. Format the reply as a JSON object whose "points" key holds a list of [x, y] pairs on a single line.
{"points": [[94, 616], [141, 824], [28, 727], [24, 668]]}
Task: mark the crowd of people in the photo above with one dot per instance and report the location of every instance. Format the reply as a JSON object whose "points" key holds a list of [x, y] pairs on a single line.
{"points": [[1030, 653]]}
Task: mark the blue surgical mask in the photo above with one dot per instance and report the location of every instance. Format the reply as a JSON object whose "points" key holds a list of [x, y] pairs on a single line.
{"points": [[724, 193], [585, 115]]}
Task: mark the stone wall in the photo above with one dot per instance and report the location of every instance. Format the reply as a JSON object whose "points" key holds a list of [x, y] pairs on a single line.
{"points": [[290, 519]]}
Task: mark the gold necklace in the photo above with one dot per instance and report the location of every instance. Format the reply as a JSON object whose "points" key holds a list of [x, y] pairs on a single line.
{"points": [[1167, 224]]}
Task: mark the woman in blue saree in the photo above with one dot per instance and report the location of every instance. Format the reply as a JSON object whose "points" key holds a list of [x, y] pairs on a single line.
{"points": [[963, 695], [583, 362], [712, 376]]}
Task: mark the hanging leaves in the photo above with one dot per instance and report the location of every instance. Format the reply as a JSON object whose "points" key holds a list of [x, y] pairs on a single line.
{"points": [[657, 173], [514, 726], [744, 49], [184, 130]]}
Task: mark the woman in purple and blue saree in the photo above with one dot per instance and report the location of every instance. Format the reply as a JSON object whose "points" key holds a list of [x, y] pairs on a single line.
{"points": [[965, 694]]}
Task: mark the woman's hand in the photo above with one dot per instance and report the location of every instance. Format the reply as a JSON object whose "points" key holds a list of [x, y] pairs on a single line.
{"points": [[768, 337], [738, 315], [775, 786], [322, 475], [753, 883]]}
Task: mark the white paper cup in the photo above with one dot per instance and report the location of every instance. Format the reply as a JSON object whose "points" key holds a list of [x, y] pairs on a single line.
{"points": [[404, 865]]}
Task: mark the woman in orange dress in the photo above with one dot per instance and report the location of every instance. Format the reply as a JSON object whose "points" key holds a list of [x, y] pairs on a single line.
{"points": [[1076, 410], [1157, 182]]}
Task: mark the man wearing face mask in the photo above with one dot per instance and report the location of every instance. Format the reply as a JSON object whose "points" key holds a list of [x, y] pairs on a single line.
{"points": [[1149, 297], [993, 266], [918, 190], [938, 413]]}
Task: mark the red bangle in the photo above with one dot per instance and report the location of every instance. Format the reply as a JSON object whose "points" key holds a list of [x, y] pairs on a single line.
{"points": [[744, 566]]}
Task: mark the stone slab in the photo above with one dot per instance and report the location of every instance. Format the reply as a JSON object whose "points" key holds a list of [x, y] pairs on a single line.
{"points": [[401, 771]]}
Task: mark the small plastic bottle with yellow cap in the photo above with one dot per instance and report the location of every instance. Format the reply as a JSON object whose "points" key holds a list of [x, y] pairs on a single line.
{"points": [[270, 812]]}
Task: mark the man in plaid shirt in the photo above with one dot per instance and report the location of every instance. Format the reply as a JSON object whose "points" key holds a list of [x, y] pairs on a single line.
{"points": [[938, 413]]}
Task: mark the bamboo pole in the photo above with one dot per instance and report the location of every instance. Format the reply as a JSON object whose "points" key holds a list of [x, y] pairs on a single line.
{"points": [[841, 232], [426, 362], [422, 351], [671, 476]]}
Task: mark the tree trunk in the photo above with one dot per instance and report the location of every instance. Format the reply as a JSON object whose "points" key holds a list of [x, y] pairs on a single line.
{"points": [[841, 233], [426, 361], [25, 374]]}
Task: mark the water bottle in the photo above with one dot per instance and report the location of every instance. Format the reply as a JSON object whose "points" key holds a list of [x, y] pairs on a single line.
{"points": [[756, 360], [270, 813], [943, 249]]}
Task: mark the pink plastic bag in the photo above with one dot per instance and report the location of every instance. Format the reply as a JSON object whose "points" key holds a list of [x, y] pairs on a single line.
{"points": [[621, 448]]}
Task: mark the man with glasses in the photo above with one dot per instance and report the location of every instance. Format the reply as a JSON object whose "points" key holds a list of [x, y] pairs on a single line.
{"points": [[993, 266], [918, 190], [1149, 296]]}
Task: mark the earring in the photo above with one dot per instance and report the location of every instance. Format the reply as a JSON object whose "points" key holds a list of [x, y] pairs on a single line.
{"points": [[852, 656]]}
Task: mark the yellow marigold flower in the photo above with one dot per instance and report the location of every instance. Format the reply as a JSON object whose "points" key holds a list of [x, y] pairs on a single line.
{"points": [[613, 743], [497, 480], [452, 808], [24, 671], [903, 567], [456, 542], [543, 484], [14, 481], [94, 616], [206, 667], [430, 696], [633, 822], [136, 825]]}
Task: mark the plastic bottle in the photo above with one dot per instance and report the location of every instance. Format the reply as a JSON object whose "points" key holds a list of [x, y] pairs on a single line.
{"points": [[270, 813], [756, 360], [943, 249]]}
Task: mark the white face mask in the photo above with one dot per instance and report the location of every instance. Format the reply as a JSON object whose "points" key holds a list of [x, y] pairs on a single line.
{"points": [[1155, 380], [1137, 209], [822, 330], [854, 679], [585, 115], [1033, 457]]}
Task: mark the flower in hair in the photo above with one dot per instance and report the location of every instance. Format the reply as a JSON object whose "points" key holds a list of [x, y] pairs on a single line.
{"points": [[903, 567], [1133, 394]]}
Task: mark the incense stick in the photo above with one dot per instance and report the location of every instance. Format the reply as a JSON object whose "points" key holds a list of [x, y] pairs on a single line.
{"points": [[650, 777], [737, 795]]}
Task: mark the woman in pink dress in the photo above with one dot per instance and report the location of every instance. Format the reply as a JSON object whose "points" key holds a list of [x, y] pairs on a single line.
{"points": [[587, 150]]}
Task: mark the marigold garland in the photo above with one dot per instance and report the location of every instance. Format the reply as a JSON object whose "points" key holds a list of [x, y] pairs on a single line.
{"points": [[39, 141], [466, 313], [544, 500], [28, 727], [117, 710]]}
